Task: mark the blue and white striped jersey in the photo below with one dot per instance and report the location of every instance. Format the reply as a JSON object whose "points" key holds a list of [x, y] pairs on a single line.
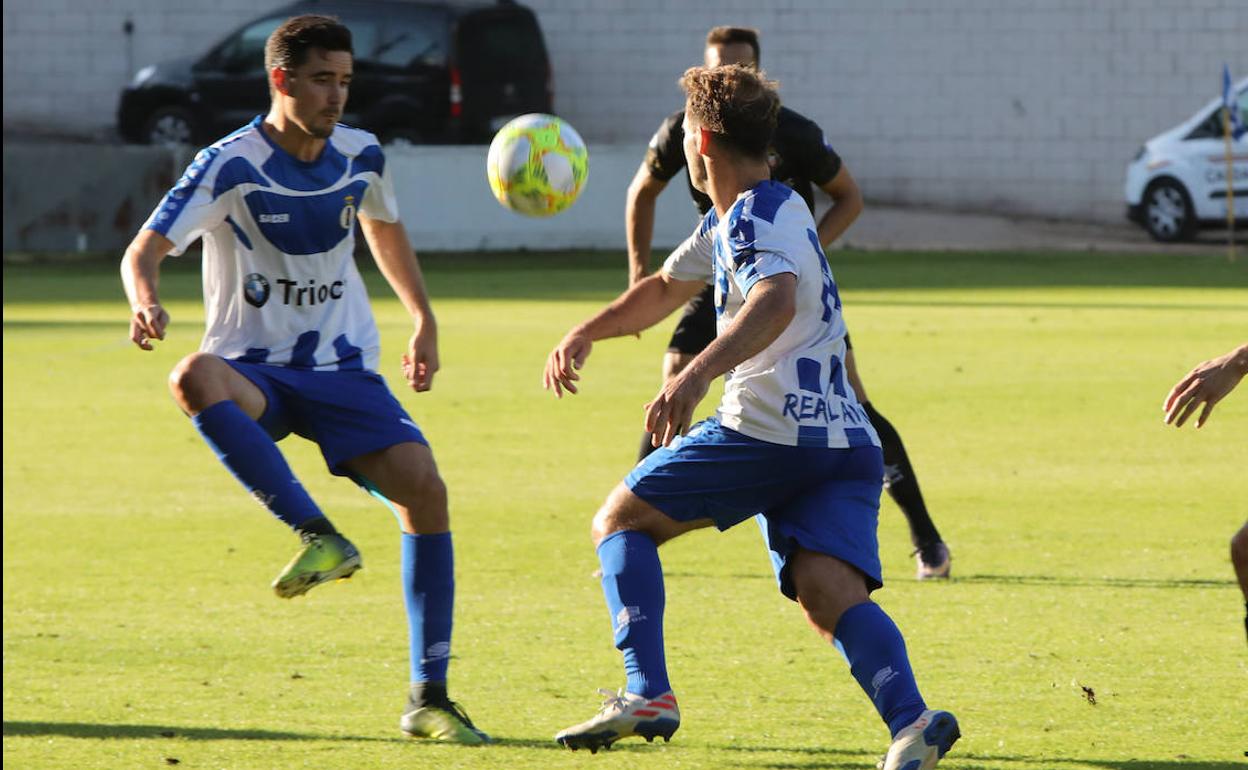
{"points": [[795, 392], [280, 282]]}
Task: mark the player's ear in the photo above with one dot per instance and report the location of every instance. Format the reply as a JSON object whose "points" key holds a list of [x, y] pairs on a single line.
{"points": [[704, 141], [280, 83]]}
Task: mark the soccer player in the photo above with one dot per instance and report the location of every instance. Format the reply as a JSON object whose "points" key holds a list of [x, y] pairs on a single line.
{"points": [[1207, 384], [789, 442], [799, 157], [291, 345]]}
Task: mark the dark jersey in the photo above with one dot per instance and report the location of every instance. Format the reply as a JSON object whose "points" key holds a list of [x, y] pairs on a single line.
{"points": [[798, 155]]}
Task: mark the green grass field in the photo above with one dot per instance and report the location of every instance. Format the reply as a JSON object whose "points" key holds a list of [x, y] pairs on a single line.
{"points": [[1089, 541]]}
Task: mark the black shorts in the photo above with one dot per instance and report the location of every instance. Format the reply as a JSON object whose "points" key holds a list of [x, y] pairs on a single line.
{"points": [[696, 327]]}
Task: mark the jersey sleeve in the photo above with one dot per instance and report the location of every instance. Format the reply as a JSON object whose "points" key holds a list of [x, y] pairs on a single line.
{"points": [[757, 253], [693, 260], [665, 156], [192, 207], [379, 201], [816, 158]]}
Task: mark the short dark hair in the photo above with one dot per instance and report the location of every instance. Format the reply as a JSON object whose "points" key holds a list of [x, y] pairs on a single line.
{"points": [[730, 35], [736, 103], [289, 44]]}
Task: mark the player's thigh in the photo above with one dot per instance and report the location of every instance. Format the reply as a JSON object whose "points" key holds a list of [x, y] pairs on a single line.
{"points": [[202, 379], [855, 381], [826, 586], [624, 510], [405, 474]]}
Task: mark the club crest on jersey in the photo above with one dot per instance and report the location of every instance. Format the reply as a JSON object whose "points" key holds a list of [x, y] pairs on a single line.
{"points": [[346, 217], [256, 289]]}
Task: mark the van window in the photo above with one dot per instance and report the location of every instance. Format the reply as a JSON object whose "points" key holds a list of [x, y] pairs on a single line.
{"points": [[244, 52], [417, 38], [1211, 126], [502, 44]]}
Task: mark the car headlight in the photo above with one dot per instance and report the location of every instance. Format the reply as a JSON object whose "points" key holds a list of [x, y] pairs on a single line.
{"points": [[1140, 153], [143, 75]]}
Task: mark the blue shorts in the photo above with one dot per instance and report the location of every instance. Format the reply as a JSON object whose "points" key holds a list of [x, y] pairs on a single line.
{"points": [[347, 413], [823, 500]]}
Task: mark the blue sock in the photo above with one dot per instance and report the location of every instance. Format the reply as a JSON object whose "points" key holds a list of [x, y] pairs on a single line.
{"points": [[254, 459], [877, 658], [632, 581], [428, 566]]}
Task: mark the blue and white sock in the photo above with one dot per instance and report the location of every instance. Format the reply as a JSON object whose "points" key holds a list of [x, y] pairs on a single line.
{"points": [[632, 582], [428, 567], [876, 652], [254, 459]]}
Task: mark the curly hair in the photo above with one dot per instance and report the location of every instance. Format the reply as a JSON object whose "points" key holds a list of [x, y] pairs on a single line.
{"points": [[289, 44], [736, 103]]}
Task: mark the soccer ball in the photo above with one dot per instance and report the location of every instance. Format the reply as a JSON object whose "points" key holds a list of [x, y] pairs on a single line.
{"points": [[537, 165]]}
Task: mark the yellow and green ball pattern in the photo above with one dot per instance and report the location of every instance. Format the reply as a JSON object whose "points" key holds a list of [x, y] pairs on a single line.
{"points": [[537, 165]]}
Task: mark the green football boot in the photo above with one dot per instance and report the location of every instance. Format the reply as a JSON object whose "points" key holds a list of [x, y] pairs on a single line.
{"points": [[443, 723], [323, 558]]}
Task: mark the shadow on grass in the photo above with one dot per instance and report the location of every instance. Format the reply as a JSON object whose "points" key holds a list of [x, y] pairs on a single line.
{"points": [[135, 732], [831, 758], [1091, 582], [146, 732]]}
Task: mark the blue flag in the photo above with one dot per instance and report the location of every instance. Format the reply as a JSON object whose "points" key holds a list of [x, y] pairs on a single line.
{"points": [[1231, 104]]}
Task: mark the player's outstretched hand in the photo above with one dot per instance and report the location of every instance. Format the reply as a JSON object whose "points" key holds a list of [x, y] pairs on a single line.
{"points": [[1207, 384], [147, 324], [421, 359], [564, 361], [669, 414]]}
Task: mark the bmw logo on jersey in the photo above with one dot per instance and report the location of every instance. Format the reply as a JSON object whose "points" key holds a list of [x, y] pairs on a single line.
{"points": [[256, 289]]}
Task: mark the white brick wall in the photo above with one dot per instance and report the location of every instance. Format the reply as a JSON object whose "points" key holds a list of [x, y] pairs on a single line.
{"points": [[1005, 105]]}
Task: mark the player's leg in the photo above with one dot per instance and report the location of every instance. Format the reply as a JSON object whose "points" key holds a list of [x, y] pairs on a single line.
{"points": [[1239, 558], [833, 595], [627, 532], [903, 485], [694, 331], [227, 409]]}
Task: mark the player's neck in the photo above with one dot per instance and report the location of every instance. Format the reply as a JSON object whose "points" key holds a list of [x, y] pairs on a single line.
{"points": [[727, 180], [287, 134]]}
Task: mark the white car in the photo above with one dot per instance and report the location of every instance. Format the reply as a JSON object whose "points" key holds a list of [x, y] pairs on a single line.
{"points": [[1177, 182]]}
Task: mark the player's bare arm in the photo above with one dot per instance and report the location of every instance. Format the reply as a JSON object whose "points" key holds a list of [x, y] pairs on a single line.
{"points": [[1207, 384], [643, 191], [767, 311], [140, 275], [397, 260], [846, 206], [640, 307]]}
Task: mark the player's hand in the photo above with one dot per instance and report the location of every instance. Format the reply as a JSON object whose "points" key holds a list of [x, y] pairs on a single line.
{"points": [[147, 324], [564, 361], [421, 359], [670, 413], [1206, 384]]}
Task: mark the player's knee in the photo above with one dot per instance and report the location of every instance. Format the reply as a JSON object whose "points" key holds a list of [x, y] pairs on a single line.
{"points": [[826, 587], [194, 382], [613, 516], [1239, 549]]}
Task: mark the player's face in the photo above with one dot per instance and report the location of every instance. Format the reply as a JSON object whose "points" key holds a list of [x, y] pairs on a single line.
{"points": [[693, 159], [719, 54], [316, 92]]}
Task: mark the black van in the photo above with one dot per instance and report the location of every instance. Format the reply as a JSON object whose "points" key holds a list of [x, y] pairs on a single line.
{"points": [[425, 72]]}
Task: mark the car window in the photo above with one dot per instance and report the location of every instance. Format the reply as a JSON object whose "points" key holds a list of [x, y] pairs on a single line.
{"points": [[1211, 126], [244, 52], [502, 44], [1243, 107], [418, 39]]}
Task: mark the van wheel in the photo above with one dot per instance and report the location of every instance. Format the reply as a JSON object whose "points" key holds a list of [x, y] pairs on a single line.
{"points": [[170, 126], [1168, 213], [401, 137]]}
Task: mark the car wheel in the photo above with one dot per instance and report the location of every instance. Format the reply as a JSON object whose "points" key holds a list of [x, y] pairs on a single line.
{"points": [[1168, 213], [170, 126], [401, 137]]}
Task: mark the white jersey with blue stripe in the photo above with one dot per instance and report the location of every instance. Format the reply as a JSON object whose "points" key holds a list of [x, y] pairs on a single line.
{"points": [[280, 282], [795, 391]]}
